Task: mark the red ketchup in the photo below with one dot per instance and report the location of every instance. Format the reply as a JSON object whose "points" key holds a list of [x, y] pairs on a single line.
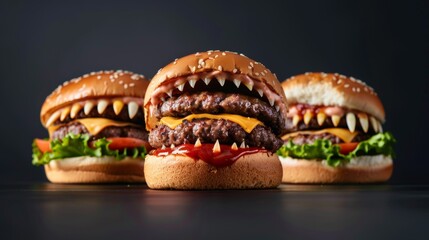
{"points": [[225, 157]]}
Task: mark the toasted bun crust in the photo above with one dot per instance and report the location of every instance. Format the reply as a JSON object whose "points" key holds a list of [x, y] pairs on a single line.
{"points": [[259, 170], [333, 90], [94, 85], [373, 169], [93, 170], [224, 61]]}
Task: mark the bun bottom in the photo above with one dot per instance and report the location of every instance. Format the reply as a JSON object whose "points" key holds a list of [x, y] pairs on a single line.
{"points": [[259, 170], [95, 170], [365, 169]]}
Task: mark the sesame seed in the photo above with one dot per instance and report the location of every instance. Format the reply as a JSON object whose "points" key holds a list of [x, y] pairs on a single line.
{"points": [[346, 85], [249, 67], [135, 77], [262, 73], [256, 63], [92, 73], [125, 86], [357, 89], [242, 55], [220, 68], [216, 56], [223, 54], [339, 81], [266, 71], [234, 70], [257, 74], [132, 84], [307, 73], [251, 64], [121, 82], [98, 77], [197, 53]]}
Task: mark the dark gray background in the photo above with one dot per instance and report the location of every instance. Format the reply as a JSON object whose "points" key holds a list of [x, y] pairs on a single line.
{"points": [[385, 44]]}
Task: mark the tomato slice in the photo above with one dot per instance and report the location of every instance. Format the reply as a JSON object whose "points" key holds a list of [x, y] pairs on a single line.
{"points": [[43, 145], [117, 143], [346, 148]]}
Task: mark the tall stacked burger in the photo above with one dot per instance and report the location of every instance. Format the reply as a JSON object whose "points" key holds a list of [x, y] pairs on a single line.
{"points": [[96, 129], [336, 134], [214, 119]]}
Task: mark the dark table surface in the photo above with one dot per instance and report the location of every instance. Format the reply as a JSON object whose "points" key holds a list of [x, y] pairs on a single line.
{"points": [[51, 211]]}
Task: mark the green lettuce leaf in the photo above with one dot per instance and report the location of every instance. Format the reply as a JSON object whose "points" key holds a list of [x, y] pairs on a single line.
{"points": [[381, 143], [77, 145]]}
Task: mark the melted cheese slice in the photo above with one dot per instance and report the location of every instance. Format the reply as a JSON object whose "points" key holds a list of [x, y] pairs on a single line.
{"points": [[343, 134], [95, 125], [248, 124]]}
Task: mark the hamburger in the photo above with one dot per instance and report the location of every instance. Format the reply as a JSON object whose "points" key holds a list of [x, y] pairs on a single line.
{"points": [[336, 133], [96, 129], [215, 120]]}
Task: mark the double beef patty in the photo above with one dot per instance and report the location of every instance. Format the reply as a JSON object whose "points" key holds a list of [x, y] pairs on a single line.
{"points": [[210, 130], [217, 103]]}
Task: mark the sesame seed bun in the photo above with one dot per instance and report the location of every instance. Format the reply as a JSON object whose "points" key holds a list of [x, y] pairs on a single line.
{"points": [[95, 170], [330, 89], [224, 61], [94, 85], [365, 169], [259, 170]]}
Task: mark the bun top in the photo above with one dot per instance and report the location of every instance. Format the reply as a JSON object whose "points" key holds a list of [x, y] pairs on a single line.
{"points": [[95, 85], [214, 61], [333, 89]]}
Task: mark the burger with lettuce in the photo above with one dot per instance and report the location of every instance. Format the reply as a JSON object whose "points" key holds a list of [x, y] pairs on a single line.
{"points": [[96, 129], [335, 134]]}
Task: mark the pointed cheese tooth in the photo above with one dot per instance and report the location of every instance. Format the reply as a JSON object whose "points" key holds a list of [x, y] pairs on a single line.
{"points": [[172, 145], [374, 123], [170, 92], [88, 107], [53, 118], [249, 85], [192, 82], [351, 121], [234, 146], [321, 117], [181, 86], [271, 100], [65, 113], [207, 81], [163, 147], [101, 106], [277, 108], [261, 92], [75, 109], [117, 106], [295, 120], [216, 147], [221, 81], [133, 108], [363, 120], [307, 117], [335, 119], [237, 82], [243, 144], [197, 143]]}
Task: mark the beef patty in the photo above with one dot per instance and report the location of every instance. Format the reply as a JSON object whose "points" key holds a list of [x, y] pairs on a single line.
{"points": [[301, 139], [217, 103], [210, 130], [112, 131]]}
